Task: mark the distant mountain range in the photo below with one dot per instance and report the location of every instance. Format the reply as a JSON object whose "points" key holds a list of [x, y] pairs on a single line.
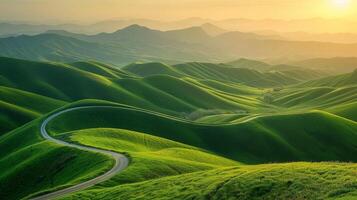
{"points": [[315, 25], [139, 43]]}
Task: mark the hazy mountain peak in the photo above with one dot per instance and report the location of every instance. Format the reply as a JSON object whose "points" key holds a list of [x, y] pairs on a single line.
{"points": [[135, 27], [212, 29]]}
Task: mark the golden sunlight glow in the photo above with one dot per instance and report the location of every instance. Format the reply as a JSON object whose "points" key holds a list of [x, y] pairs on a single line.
{"points": [[341, 3]]}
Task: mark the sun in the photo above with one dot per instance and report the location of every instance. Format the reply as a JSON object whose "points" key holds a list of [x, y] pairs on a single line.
{"points": [[341, 3]]}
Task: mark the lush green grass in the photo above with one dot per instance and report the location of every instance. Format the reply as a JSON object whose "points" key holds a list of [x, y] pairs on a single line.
{"points": [[18, 107], [312, 136], [348, 110], [224, 73], [316, 97], [151, 157], [334, 81], [273, 181], [93, 81], [179, 125], [30, 165]]}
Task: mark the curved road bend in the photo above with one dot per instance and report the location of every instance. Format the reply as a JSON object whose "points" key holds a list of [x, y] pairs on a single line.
{"points": [[121, 161]]}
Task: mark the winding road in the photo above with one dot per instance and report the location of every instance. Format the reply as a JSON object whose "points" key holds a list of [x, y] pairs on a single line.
{"points": [[121, 161]]}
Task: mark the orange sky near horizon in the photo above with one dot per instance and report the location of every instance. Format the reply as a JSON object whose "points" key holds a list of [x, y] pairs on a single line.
{"points": [[96, 10]]}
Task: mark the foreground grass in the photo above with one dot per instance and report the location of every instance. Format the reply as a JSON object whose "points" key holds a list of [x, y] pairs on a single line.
{"points": [[29, 165], [151, 157], [271, 181]]}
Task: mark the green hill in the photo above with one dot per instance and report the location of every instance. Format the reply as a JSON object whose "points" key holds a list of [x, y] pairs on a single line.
{"points": [[347, 110], [285, 181], [224, 73], [191, 131], [92, 81], [334, 81], [18, 107], [149, 69], [291, 142], [28, 170]]}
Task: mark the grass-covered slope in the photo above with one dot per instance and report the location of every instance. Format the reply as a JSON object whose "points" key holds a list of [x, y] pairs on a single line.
{"points": [[334, 81], [312, 136], [35, 165], [348, 110], [149, 69], [30, 165], [151, 157], [18, 107], [335, 94], [322, 97], [273, 181], [87, 80], [224, 73]]}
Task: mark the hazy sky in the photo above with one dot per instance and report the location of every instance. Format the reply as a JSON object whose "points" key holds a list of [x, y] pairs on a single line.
{"points": [[96, 10]]}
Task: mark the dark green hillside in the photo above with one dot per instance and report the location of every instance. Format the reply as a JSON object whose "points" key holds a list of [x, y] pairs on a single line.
{"points": [[94, 81], [217, 72], [35, 165], [348, 110], [304, 136], [52, 47], [101, 69], [149, 69], [191, 131], [29, 164], [18, 107]]}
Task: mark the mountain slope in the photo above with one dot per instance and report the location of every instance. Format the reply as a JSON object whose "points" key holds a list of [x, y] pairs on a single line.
{"points": [[139, 43]]}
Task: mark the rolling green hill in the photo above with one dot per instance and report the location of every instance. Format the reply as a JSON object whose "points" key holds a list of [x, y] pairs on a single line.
{"points": [[290, 142], [151, 157], [224, 73], [18, 107], [334, 81], [191, 130], [93, 81], [285, 181]]}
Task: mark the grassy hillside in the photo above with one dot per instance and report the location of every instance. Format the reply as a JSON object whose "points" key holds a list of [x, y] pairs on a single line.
{"points": [[334, 81], [224, 73], [70, 83], [151, 157], [347, 110], [335, 94], [249, 141], [30, 164], [192, 130], [273, 181], [18, 107]]}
